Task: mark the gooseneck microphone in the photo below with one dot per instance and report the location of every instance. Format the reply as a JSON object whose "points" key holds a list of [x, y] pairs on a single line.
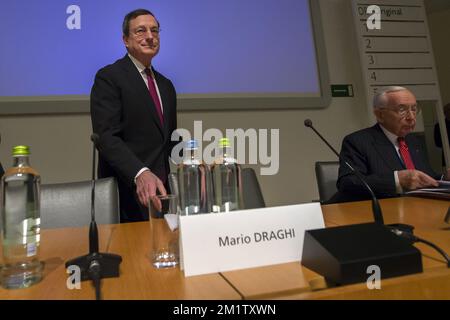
{"points": [[96, 265], [93, 231], [376, 209]]}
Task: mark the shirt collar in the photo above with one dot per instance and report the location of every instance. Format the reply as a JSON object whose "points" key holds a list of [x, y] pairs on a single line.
{"points": [[392, 137], [141, 68]]}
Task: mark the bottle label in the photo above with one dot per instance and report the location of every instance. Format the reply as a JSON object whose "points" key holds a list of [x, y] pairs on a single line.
{"points": [[31, 249]]}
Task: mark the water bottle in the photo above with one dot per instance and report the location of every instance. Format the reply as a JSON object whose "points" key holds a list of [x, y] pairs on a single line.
{"points": [[226, 180], [194, 182], [20, 217]]}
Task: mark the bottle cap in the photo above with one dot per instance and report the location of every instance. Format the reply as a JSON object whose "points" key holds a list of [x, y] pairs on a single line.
{"points": [[21, 151], [224, 142], [192, 145]]}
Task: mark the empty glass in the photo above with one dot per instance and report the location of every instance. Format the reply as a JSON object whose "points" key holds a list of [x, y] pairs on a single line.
{"points": [[163, 216]]}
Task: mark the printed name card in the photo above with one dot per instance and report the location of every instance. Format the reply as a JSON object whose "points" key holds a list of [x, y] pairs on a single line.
{"points": [[219, 242]]}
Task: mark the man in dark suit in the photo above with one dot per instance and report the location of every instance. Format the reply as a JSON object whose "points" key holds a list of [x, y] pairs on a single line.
{"points": [[133, 110], [389, 158]]}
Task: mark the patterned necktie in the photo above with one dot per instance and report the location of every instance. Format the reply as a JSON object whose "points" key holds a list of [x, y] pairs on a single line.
{"points": [[154, 94], [404, 152]]}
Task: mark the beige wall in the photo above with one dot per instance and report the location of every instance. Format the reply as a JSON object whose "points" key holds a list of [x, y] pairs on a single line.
{"points": [[61, 150]]}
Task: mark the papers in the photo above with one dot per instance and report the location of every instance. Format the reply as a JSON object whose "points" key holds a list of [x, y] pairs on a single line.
{"points": [[444, 190], [441, 192]]}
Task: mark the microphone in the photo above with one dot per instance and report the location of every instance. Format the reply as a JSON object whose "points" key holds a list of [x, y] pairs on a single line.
{"points": [[376, 209], [93, 231], [343, 254], [96, 265]]}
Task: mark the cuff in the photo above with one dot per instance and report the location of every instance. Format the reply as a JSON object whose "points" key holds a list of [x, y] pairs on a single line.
{"points": [[398, 187], [139, 172]]}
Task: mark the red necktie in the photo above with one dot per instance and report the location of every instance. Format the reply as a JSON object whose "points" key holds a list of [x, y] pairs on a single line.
{"points": [[154, 94], [404, 152]]}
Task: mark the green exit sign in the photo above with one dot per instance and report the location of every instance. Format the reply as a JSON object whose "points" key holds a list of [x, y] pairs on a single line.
{"points": [[341, 90]]}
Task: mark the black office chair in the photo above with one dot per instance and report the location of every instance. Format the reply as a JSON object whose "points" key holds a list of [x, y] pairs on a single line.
{"points": [[69, 204], [251, 191], [326, 176]]}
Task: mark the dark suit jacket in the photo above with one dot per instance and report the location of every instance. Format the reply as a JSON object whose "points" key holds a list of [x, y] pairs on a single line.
{"points": [[371, 153], [1, 170], [131, 137]]}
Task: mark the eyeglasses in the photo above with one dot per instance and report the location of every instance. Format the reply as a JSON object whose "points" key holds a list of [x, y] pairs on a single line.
{"points": [[403, 110], [141, 32]]}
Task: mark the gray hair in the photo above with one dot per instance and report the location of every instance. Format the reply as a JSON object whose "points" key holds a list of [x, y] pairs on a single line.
{"points": [[380, 100]]}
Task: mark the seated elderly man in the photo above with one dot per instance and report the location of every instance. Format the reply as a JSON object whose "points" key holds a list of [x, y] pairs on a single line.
{"points": [[389, 158]]}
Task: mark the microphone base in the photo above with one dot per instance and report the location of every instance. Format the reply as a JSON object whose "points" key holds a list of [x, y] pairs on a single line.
{"points": [[343, 254], [109, 264]]}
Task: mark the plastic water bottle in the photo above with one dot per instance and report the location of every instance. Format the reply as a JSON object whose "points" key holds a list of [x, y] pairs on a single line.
{"points": [[20, 217], [194, 182], [226, 180]]}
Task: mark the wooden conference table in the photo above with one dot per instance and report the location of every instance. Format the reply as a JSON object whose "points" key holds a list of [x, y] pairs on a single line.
{"points": [[138, 280]]}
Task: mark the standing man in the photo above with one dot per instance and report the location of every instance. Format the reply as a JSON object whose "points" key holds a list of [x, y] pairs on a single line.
{"points": [[390, 159], [133, 110]]}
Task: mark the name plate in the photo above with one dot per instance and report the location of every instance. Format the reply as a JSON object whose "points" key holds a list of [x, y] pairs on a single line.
{"points": [[219, 242]]}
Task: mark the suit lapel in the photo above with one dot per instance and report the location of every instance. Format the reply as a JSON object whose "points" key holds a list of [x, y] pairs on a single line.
{"points": [[386, 150], [143, 96]]}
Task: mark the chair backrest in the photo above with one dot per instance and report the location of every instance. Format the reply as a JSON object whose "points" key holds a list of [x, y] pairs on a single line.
{"points": [[69, 204], [251, 191], [326, 176]]}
